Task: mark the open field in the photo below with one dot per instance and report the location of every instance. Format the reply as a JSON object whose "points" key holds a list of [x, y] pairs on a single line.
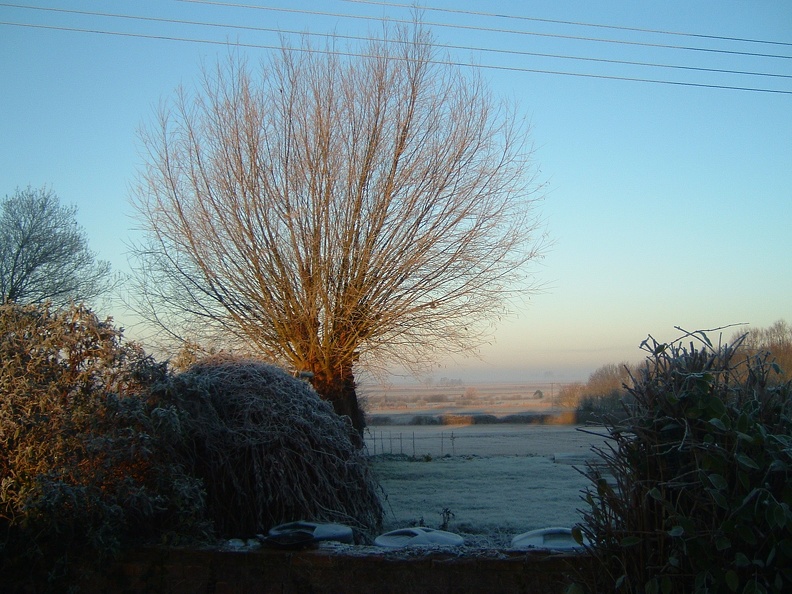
{"points": [[499, 481], [412, 404], [488, 481], [384, 397]]}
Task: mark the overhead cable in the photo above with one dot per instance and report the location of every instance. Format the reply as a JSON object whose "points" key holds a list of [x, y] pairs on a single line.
{"points": [[424, 7], [440, 62], [487, 29], [439, 45]]}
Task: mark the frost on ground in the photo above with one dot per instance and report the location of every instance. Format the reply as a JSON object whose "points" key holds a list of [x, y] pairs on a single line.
{"points": [[514, 485]]}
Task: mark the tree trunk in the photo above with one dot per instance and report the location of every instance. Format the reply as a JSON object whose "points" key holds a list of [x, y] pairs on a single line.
{"points": [[339, 390]]}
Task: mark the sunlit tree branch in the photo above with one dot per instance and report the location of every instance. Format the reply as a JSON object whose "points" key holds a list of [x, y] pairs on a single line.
{"points": [[332, 212]]}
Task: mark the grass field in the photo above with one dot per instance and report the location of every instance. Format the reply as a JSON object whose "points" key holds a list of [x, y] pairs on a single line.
{"points": [[494, 481], [488, 482]]}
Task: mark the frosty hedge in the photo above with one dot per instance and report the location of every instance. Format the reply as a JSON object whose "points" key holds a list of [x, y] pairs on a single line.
{"points": [[84, 453], [102, 448]]}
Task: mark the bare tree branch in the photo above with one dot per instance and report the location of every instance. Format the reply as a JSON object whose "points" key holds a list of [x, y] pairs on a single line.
{"points": [[332, 211]]}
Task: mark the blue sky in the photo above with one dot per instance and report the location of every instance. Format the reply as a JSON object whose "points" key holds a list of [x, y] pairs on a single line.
{"points": [[668, 204]]}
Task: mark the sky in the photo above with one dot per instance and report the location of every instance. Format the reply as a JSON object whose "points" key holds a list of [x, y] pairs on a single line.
{"points": [[669, 204]]}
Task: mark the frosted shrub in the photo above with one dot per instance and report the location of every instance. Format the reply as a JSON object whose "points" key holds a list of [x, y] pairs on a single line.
{"points": [[83, 470], [701, 494], [268, 449]]}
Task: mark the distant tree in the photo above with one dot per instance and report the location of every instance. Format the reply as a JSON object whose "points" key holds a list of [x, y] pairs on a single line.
{"points": [[775, 339], [44, 254], [334, 212], [470, 394], [570, 395], [608, 380]]}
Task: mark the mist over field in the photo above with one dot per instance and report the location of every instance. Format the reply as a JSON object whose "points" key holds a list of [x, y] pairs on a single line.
{"points": [[400, 404]]}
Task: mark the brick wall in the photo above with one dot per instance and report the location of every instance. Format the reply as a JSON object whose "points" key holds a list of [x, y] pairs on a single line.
{"points": [[189, 571]]}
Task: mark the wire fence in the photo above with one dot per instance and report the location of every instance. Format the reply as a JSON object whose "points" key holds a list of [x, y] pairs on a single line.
{"points": [[451, 442], [519, 440], [410, 444]]}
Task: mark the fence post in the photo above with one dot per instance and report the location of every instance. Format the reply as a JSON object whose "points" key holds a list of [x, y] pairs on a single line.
{"points": [[441, 442], [413, 444]]}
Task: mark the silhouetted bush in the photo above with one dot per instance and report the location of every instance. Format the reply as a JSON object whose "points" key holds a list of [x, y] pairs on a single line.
{"points": [[591, 409], [379, 420], [699, 497], [527, 418], [424, 420], [482, 419]]}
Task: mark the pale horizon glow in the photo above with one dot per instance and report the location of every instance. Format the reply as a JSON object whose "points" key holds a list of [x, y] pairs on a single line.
{"points": [[668, 205]]}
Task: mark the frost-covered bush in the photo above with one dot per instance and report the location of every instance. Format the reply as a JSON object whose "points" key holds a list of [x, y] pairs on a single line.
{"points": [[268, 449], [84, 468], [700, 494]]}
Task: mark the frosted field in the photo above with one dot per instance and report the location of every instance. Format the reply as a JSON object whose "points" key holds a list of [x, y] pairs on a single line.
{"points": [[497, 481]]}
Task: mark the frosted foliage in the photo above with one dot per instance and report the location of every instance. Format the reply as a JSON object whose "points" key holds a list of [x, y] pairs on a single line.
{"points": [[269, 450]]}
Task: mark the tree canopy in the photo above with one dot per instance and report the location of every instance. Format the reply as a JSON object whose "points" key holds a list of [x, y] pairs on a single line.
{"points": [[44, 253], [332, 211]]}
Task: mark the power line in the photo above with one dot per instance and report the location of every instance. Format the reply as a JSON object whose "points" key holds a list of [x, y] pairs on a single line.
{"points": [[440, 62], [561, 22], [440, 45], [487, 29]]}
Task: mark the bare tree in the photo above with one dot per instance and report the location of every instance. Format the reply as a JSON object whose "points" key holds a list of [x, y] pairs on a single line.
{"points": [[334, 210], [44, 254], [609, 380], [775, 339]]}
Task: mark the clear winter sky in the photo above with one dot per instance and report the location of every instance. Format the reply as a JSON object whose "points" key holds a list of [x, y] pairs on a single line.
{"points": [[669, 204]]}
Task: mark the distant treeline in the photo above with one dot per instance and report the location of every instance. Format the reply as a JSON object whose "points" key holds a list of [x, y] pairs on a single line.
{"points": [[526, 418], [607, 385]]}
